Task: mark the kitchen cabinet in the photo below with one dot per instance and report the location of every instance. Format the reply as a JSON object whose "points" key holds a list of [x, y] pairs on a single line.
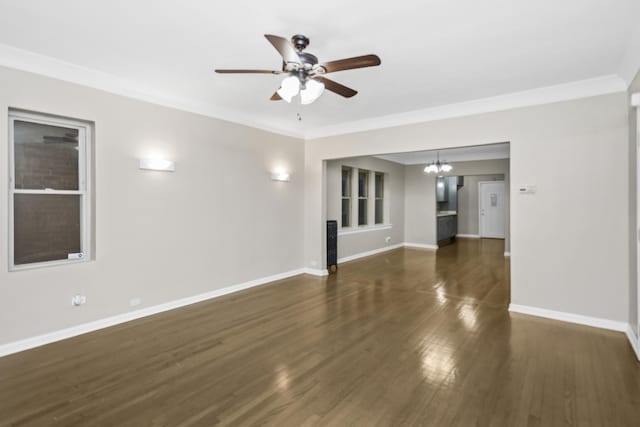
{"points": [[447, 227]]}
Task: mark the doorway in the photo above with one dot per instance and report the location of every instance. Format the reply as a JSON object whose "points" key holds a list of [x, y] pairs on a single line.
{"points": [[491, 209]]}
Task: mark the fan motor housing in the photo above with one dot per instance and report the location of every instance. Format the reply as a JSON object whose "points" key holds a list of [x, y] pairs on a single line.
{"points": [[307, 58]]}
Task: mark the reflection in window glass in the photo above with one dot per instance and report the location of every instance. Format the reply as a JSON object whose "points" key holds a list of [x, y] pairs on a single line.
{"points": [[379, 202], [362, 183], [363, 199], [346, 197], [46, 227], [346, 182], [346, 212], [46, 156], [362, 211]]}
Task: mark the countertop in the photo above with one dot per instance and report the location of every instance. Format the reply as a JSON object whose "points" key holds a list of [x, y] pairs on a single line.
{"points": [[447, 213]]}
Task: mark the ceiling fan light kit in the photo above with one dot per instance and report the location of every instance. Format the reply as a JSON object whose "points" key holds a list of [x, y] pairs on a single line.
{"points": [[312, 91], [305, 76], [289, 88]]}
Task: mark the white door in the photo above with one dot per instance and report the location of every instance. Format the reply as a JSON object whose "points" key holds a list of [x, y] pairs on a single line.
{"points": [[491, 207]]}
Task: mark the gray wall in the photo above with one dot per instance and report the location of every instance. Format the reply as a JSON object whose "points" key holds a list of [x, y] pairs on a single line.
{"points": [[420, 198], [633, 209], [371, 239], [549, 144], [217, 221], [468, 218]]}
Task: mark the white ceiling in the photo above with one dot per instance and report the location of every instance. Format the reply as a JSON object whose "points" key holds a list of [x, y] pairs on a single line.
{"points": [[464, 154], [434, 52]]}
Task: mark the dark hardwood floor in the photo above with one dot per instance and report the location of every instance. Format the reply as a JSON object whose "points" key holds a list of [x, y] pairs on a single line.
{"points": [[408, 337]]}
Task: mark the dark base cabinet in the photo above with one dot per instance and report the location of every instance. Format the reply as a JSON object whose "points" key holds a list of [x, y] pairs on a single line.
{"points": [[447, 227], [332, 244]]}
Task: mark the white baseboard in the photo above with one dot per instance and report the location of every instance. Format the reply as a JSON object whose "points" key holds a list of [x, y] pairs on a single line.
{"points": [[507, 254], [37, 341], [369, 253], [633, 340], [420, 246], [468, 236], [596, 322], [315, 272]]}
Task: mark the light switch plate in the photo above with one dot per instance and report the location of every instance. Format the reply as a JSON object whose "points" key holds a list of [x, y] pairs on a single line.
{"points": [[527, 189]]}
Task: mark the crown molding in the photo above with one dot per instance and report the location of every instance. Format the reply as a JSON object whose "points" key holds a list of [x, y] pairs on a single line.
{"points": [[545, 95], [24, 60], [20, 59], [630, 63], [630, 67]]}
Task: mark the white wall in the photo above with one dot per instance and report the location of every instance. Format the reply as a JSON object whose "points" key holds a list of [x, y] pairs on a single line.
{"points": [[420, 206], [217, 221], [350, 243], [161, 237], [468, 206], [420, 198], [569, 247]]}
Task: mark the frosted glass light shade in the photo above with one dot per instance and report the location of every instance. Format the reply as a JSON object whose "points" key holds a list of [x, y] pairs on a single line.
{"points": [[289, 88], [432, 168], [446, 167], [312, 91]]}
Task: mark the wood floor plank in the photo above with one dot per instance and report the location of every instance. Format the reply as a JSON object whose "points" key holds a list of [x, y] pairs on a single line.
{"points": [[408, 337]]}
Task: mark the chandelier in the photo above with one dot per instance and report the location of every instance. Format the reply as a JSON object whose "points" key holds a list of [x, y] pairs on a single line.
{"points": [[436, 167]]}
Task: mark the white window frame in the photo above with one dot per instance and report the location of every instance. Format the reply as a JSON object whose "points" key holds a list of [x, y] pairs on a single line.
{"points": [[365, 198], [376, 198], [84, 185], [349, 170]]}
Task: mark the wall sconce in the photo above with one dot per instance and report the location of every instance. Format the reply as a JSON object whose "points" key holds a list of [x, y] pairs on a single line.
{"points": [[280, 176], [158, 165]]}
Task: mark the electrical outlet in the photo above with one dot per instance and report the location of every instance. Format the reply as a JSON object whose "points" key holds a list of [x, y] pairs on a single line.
{"points": [[135, 301], [78, 300], [387, 239]]}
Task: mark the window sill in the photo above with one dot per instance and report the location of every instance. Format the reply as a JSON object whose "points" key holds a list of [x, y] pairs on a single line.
{"points": [[363, 229], [45, 264]]}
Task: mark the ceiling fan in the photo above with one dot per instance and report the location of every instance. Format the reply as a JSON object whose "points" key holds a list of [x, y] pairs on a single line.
{"points": [[305, 76]]}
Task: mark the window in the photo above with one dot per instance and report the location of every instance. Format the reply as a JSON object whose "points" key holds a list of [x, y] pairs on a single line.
{"points": [[379, 190], [346, 197], [49, 190], [363, 199]]}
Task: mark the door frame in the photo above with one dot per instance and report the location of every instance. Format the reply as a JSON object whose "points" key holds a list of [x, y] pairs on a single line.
{"points": [[504, 223], [635, 102]]}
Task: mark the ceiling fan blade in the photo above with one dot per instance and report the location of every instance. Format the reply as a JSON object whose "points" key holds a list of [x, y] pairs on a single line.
{"points": [[351, 63], [248, 72], [336, 87], [285, 48], [275, 97]]}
